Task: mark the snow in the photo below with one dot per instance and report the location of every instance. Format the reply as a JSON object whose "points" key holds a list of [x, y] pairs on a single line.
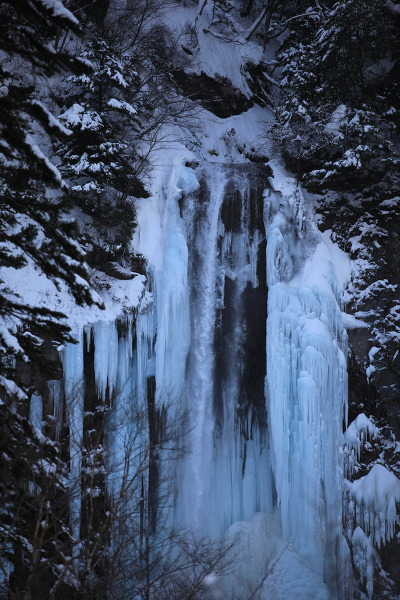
{"points": [[352, 322], [9, 340], [375, 498], [36, 289], [371, 354], [337, 119], [359, 431], [12, 389], [58, 10], [390, 203], [213, 55], [52, 120], [264, 562], [78, 115], [228, 140], [122, 105], [43, 158]]}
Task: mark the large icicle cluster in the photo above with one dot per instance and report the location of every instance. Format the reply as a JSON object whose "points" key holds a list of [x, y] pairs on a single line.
{"points": [[74, 393], [306, 385], [372, 503], [127, 353]]}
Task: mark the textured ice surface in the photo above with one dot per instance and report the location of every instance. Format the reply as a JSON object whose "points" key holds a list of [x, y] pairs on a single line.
{"points": [[306, 385], [72, 358], [359, 431], [372, 503]]}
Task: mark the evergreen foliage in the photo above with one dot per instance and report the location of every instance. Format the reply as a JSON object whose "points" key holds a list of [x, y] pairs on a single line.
{"points": [[35, 540], [116, 114], [35, 225], [338, 116], [100, 160]]}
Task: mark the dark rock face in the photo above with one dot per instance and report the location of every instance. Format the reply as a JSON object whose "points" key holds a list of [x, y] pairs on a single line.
{"points": [[216, 94]]}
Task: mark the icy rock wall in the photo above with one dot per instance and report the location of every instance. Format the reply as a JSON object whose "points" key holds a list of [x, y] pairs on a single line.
{"points": [[226, 475], [306, 388]]}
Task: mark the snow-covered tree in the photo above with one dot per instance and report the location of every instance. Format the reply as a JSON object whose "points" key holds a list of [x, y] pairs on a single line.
{"points": [[338, 116], [100, 159], [117, 114], [35, 225], [35, 539]]}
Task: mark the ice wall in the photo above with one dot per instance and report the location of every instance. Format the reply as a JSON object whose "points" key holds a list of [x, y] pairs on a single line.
{"points": [[306, 384], [132, 370], [226, 475]]}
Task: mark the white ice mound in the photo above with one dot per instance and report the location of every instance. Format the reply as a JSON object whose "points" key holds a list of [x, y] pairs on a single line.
{"points": [[358, 432], [375, 497]]}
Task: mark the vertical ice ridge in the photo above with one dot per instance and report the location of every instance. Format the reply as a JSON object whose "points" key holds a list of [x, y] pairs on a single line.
{"points": [[200, 389], [306, 388], [72, 358], [227, 474]]}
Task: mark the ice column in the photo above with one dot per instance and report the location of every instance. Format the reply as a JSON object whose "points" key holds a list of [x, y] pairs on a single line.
{"points": [[72, 358], [199, 389], [306, 387]]}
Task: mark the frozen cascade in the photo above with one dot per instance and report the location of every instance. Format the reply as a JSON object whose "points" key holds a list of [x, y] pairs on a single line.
{"points": [[128, 356], [226, 474], [306, 388], [193, 359]]}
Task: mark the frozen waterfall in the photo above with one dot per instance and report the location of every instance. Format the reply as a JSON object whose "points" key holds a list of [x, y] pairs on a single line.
{"points": [[226, 475], [237, 357]]}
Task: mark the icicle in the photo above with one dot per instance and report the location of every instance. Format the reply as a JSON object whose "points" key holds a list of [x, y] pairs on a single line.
{"points": [[72, 358], [358, 432], [57, 399], [365, 558], [36, 412], [105, 337]]}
